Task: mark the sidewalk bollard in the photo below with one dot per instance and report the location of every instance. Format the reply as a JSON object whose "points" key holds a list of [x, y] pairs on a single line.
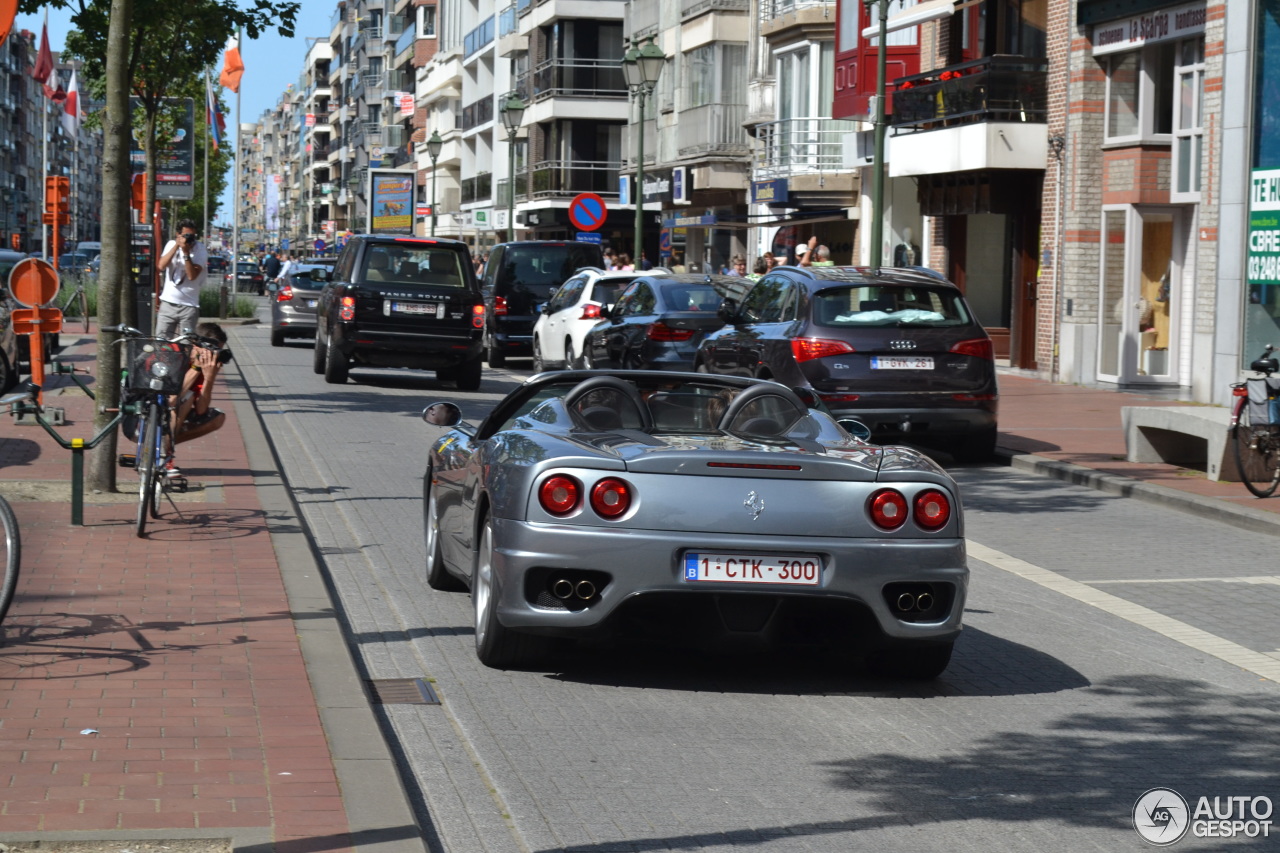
{"points": [[222, 301]]}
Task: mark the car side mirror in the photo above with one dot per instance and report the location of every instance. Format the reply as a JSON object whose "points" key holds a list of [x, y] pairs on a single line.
{"points": [[320, 274], [728, 311], [857, 429], [442, 414], [545, 308]]}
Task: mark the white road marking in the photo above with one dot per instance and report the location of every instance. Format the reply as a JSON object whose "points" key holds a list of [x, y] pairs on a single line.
{"points": [[1254, 579], [1256, 662]]}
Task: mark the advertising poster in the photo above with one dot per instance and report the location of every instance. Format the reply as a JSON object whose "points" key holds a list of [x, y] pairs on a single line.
{"points": [[175, 156], [390, 202], [272, 203]]}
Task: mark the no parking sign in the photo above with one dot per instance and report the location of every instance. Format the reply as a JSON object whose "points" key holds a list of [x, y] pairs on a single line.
{"points": [[587, 211]]}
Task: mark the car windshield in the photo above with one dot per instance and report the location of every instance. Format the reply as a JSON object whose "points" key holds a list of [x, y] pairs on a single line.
{"points": [[242, 267], [885, 305], [412, 264], [540, 269], [684, 296]]}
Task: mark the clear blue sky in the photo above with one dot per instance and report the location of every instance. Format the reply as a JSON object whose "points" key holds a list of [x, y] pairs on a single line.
{"points": [[271, 62]]}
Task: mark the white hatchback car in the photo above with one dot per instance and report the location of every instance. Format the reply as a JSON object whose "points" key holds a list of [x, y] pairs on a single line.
{"points": [[572, 311]]}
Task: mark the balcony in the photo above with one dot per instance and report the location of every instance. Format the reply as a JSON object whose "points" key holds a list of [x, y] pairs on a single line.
{"points": [[693, 8], [507, 21], [573, 78], [477, 113], [478, 38], [478, 188], [784, 20], [405, 41], [371, 79], [996, 88], [797, 146], [567, 178], [712, 129], [986, 114]]}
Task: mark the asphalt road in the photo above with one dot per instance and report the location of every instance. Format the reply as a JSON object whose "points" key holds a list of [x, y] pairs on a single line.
{"points": [[1111, 647]]}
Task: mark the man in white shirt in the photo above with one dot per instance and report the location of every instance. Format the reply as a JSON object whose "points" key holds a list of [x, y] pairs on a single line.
{"points": [[286, 271], [184, 264]]}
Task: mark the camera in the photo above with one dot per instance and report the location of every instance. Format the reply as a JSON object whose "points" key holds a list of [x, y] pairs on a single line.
{"points": [[224, 356], [189, 238]]}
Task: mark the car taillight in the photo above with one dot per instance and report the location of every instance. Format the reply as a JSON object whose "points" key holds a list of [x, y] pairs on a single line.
{"points": [[977, 347], [499, 305], [348, 309], [559, 495], [590, 311], [838, 398], [477, 316], [662, 332], [973, 398], [610, 497], [807, 349], [888, 509], [284, 294], [932, 509]]}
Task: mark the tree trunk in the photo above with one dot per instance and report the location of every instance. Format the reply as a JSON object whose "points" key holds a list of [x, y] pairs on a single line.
{"points": [[114, 276]]}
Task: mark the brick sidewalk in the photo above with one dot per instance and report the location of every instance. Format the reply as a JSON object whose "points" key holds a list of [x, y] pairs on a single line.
{"points": [[157, 684]]}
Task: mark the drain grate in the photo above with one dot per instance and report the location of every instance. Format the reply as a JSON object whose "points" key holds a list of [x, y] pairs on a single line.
{"points": [[401, 691]]}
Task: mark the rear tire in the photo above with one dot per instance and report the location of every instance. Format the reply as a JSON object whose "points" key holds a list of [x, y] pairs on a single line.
{"points": [[571, 361], [277, 337], [438, 576], [978, 447], [12, 543], [336, 368], [496, 645], [539, 366], [1257, 451], [318, 355], [493, 354], [912, 662], [469, 373]]}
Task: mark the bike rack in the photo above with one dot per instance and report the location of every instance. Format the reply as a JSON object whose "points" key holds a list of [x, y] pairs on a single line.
{"points": [[77, 446]]}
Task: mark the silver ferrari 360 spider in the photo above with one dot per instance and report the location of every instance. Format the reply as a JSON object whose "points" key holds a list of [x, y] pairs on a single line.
{"points": [[592, 503]]}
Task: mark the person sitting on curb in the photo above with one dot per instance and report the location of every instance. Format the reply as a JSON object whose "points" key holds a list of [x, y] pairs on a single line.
{"points": [[192, 414]]}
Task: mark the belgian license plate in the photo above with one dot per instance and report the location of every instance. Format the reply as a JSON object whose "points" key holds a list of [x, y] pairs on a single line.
{"points": [[753, 568], [414, 307], [899, 362]]}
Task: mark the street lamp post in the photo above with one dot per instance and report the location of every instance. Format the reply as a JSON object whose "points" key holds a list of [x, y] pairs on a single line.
{"points": [[641, 68], [512, 113], [434, 144]]}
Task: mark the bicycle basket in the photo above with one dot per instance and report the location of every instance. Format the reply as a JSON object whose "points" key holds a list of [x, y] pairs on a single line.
{"points": [[155, 365]]}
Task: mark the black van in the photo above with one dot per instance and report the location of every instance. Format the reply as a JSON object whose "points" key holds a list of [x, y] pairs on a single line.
{"points": [[400, 302], [518, 278]]}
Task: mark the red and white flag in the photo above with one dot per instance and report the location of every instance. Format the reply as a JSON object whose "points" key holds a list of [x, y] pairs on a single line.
{"points": [[71, 107]]}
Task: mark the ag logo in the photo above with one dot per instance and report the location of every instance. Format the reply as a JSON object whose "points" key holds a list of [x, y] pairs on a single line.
{"points": [[1161, 816]]}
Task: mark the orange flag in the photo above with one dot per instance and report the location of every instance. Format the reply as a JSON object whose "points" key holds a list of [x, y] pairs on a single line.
{"points": [[8, 10], [232, 66]]}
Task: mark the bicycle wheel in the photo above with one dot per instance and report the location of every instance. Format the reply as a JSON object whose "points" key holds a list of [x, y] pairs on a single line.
{"points": [[1257, 450], [12, 556], [148, 464], [161, 486]]}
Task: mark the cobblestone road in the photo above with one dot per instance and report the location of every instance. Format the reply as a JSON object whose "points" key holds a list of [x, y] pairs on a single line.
{"points": [[1053, 718]]}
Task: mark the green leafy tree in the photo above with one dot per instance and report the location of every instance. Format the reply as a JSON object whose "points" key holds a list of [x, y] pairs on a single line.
{"points": [[146, 47]]}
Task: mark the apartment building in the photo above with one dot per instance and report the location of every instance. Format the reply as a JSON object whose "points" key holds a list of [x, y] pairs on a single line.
{"points": [[316, 189], [25, 115]]}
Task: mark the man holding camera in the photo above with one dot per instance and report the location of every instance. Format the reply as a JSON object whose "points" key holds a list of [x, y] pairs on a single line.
{"points": [[192, 414], [185, 264]]}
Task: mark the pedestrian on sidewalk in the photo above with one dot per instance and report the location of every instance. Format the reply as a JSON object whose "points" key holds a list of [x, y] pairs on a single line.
{"points": [[192, 414], [185, 264]]}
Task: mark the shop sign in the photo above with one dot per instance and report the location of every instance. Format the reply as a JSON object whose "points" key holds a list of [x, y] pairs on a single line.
{"points": [[769, 192], [681, 185], [1162, 25], [1263, 256], [690, 221], [657, 186]]}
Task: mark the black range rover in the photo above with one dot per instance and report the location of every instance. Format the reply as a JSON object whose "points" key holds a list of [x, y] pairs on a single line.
{"points": [[400, 302]]}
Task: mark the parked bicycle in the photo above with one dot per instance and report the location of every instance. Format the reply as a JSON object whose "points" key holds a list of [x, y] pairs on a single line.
{"points": [[75, 302], [11, 539], [1255, 426], [153, 372]]}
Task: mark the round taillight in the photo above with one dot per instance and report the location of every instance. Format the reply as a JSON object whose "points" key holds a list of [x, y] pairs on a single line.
{"points": [[932, 509], [888, 509], [348, 309], [610, 497], [559, 495]]}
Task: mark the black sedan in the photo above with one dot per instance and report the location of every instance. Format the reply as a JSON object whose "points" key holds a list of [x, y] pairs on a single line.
{"points": [[249, 279], [659, 321], [897, 349]]}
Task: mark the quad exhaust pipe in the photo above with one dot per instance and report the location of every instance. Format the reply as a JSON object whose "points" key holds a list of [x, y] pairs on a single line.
{"points": [[908, 602], [564, 588]]}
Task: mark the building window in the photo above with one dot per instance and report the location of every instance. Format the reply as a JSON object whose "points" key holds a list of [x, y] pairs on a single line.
{"points": [[427, 22], [1188, 126], [1140, 90], [716, 74]]}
